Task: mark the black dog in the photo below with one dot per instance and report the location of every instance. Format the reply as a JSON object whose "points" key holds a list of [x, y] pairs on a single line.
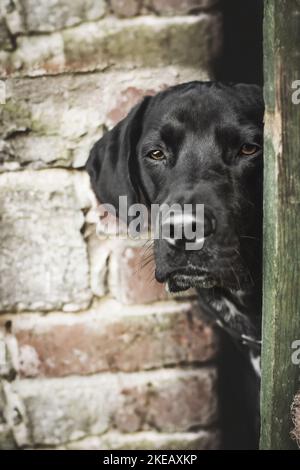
{"points": [[201, 143]]}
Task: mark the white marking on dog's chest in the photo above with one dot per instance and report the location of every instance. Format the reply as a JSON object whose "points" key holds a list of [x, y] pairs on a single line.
{"points": [[232, 311], [229, 309], [255, 361]]}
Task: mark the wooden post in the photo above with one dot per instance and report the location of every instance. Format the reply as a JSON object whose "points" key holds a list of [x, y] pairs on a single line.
{"points": [[281, 300]]}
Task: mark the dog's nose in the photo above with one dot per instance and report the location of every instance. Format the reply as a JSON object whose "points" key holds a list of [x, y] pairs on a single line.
{"points": [[184, 231]]}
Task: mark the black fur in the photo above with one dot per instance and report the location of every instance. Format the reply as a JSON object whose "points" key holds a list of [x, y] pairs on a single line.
{"points": [[201, 127]]}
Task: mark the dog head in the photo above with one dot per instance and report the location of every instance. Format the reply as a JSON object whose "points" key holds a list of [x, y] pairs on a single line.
{"points": [[195, 143]]}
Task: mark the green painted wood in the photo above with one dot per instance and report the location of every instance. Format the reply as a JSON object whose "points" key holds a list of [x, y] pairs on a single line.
{"points": [[281, 298]]}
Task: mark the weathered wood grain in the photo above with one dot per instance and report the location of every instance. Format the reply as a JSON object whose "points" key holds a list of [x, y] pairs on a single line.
{"points": [[281, 299]]}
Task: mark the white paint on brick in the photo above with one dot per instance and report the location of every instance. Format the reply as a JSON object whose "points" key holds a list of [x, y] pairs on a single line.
{"points": [[62, 410], [149, 440], [91, 97], [15, 415], [29, 356], [53, 121], [51, 15], [108, 309], [113, 42], [43, 256], [99, 252]]}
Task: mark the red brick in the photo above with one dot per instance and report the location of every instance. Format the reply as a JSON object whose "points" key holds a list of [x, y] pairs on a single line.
{"points": [[112, 337], [132, 279], [180, 402], [132, 276], [106, 224], [69, 123], [125, 8], [99, 252], [165, 400], [126, 100]]}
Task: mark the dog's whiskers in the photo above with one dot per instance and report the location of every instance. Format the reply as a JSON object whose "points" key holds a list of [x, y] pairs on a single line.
{"points": [[146, 263], [250, 238], [248, 273], [236, 276]]}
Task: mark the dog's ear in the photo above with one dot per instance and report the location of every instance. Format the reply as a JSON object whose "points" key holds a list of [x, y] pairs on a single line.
{"points": [[111, 163], [251, 97]]}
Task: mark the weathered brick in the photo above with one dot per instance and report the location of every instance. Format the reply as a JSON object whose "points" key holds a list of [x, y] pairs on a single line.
{"points": [[8, 355], [149, 440], [6, 438], [173, 401], [112, 337], [50, 255], [295, 409], [132, 278], [6, 40], [2, 404], [189, 41], [4, 367], [99, 253], [13, 15], [41, 129], [180, 7], [43, 256], [126, 8], [14, 426], [52, 15], [127, 99], [7, 441], [132, 275], [169, 400], [105, 225]]}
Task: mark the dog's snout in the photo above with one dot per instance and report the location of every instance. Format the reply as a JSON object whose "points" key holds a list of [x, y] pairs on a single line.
{"points": [[183, 231]]}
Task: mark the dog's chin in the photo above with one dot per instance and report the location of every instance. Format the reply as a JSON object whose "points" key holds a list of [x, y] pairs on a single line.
{"points": [[192, 276], [178, 282]]}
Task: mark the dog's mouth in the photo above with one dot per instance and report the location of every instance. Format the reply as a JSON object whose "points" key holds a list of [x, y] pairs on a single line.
{"points": [[184, 279]]}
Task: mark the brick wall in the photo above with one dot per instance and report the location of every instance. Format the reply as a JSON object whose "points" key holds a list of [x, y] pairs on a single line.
{"points": [[296, 419], [93, 352]]}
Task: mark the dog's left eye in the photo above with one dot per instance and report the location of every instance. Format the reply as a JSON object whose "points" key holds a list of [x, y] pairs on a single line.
{"points": [[248, 149], [156, 155]]}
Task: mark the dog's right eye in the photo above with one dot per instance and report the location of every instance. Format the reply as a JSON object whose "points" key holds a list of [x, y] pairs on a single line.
{"points": [[156, 155], [248, 150]]}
